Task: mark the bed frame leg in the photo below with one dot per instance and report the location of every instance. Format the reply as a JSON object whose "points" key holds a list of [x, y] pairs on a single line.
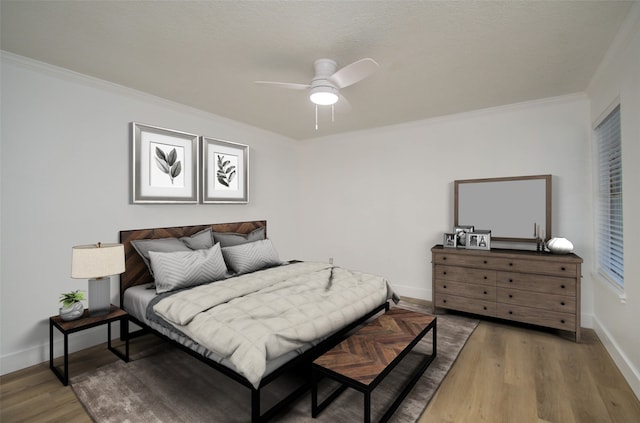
{"points": [[255, 405]]}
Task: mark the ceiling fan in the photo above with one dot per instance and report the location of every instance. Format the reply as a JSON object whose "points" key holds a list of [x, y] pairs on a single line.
{"points": [[324, 89]]}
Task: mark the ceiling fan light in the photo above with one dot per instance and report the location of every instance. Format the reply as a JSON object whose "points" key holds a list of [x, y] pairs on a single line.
{"points": [[324, 96]]}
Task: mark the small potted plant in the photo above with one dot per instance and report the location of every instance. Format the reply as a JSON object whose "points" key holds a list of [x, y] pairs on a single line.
{"points": [[72, 307]]}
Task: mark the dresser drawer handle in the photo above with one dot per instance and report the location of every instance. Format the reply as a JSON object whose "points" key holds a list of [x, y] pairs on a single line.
{"points": [[563, 268], [562, 286], [444, 273], [562, 303], [485, 307], [510, 296], [562, 321], [444, 258], [510, 264], [444, 301], [510, 312], [485, 277], [484, 261], [444, 286], [485, 292], [510, 280]]}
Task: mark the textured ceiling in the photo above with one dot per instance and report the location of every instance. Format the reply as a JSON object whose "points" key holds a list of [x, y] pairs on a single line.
{"points": [[436, 57]]}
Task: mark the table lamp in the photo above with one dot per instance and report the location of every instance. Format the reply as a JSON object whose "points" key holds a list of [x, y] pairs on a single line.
{"points": [[97, 262]]}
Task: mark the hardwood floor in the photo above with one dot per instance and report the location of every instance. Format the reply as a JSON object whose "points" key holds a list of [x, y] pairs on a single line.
{"points": [[505, 373], [35, 394], [509, 373]]}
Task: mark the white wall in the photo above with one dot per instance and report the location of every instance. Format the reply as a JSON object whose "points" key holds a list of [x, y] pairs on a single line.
{"points": [[65, 181], [616, 317], [380, 199]]}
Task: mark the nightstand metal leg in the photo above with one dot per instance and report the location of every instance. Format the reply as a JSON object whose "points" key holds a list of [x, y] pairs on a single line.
{"points": [[64, 377], [66, 359], [124, 357]]}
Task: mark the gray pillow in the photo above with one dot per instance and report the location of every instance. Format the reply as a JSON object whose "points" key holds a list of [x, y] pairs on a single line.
{"points": [[229, 239], [251, 256], [162, 245], [183, 269], [200, 240], [197, 241]]}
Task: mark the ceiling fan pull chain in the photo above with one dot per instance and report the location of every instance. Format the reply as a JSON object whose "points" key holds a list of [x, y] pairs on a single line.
{"points": [[316, 117], [332, 111]]}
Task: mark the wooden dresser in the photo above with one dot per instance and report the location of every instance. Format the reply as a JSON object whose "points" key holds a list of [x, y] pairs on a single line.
{"points": [[524, 286]]}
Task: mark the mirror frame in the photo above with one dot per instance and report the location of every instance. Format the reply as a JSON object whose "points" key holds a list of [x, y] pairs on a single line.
{"points": [[547, 223]]}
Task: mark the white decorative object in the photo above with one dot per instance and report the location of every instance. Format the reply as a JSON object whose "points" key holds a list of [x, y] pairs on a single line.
{"points": [[73, 312], [560, 246]]}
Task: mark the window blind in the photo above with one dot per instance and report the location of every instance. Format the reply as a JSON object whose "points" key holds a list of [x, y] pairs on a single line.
{"points": [[609, 246]]}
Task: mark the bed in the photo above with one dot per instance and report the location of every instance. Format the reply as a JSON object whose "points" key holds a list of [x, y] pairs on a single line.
{"points": [[261, 319]]}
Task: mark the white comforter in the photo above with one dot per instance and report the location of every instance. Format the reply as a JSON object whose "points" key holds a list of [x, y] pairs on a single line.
{"points": [[257, 317]]}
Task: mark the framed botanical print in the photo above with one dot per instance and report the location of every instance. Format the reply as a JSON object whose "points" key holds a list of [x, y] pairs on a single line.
{"points": [[165, 165], [225, 171]]}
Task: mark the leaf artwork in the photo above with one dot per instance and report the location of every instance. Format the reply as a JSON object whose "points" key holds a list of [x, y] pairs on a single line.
{"points": [[226, 172], [167, 163]]}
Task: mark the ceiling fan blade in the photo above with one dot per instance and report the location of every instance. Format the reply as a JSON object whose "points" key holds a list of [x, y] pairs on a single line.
{"points": [[288, 85], [354, 72]]}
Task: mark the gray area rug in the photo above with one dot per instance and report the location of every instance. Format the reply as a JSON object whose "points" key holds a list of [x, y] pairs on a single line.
{"points": [[168, 385]]}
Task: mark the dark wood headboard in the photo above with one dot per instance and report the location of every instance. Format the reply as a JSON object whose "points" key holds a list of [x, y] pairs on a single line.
{"points": [[136, 272]]}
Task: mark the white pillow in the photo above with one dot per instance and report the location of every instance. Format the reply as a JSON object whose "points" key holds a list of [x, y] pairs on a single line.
{"points": [[251, 256], [182, 269]]}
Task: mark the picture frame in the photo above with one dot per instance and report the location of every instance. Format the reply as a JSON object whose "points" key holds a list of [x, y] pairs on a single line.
{"points": [[461, 232], [479, 240], [225, 171], [449, 240], [164, 165]]}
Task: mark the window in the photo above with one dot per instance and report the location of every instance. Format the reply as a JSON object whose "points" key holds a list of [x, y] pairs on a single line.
{"points": [[609, 247]]}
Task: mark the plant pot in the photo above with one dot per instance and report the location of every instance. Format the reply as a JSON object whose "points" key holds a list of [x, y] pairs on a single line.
{"points": [[72, 312]]}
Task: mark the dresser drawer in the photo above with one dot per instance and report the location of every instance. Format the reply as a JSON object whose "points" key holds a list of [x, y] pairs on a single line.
{"points": [[537, 300], [538, 283], [465, 274], [568, 270], [469, 290], [485, 308], [516, 264], [467, 261], [552, 319]]}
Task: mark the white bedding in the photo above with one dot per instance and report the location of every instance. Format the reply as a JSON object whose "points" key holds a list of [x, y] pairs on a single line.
{"points": [[254, 318], [135, 302]]}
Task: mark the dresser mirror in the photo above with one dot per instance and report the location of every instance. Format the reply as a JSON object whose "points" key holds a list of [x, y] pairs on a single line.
{"points": [[515, 209]]}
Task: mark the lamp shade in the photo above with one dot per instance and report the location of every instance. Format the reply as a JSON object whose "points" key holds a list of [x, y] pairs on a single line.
{"points": [[97, 260]]}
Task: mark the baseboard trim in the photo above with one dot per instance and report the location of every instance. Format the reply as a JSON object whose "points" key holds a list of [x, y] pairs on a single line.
{"points": [[412, 292], [626, 367], [40, 353]]}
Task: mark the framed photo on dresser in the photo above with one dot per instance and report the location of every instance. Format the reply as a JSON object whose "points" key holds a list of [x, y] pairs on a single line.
{"points": [[461, 234], [479, 240], [449, 240]]}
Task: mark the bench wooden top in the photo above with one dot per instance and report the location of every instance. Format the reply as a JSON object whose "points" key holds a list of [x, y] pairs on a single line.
{"points": [[364, 355]]}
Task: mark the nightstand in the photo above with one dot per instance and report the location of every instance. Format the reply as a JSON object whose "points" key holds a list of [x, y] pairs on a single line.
{"points": [[86, 322]]}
